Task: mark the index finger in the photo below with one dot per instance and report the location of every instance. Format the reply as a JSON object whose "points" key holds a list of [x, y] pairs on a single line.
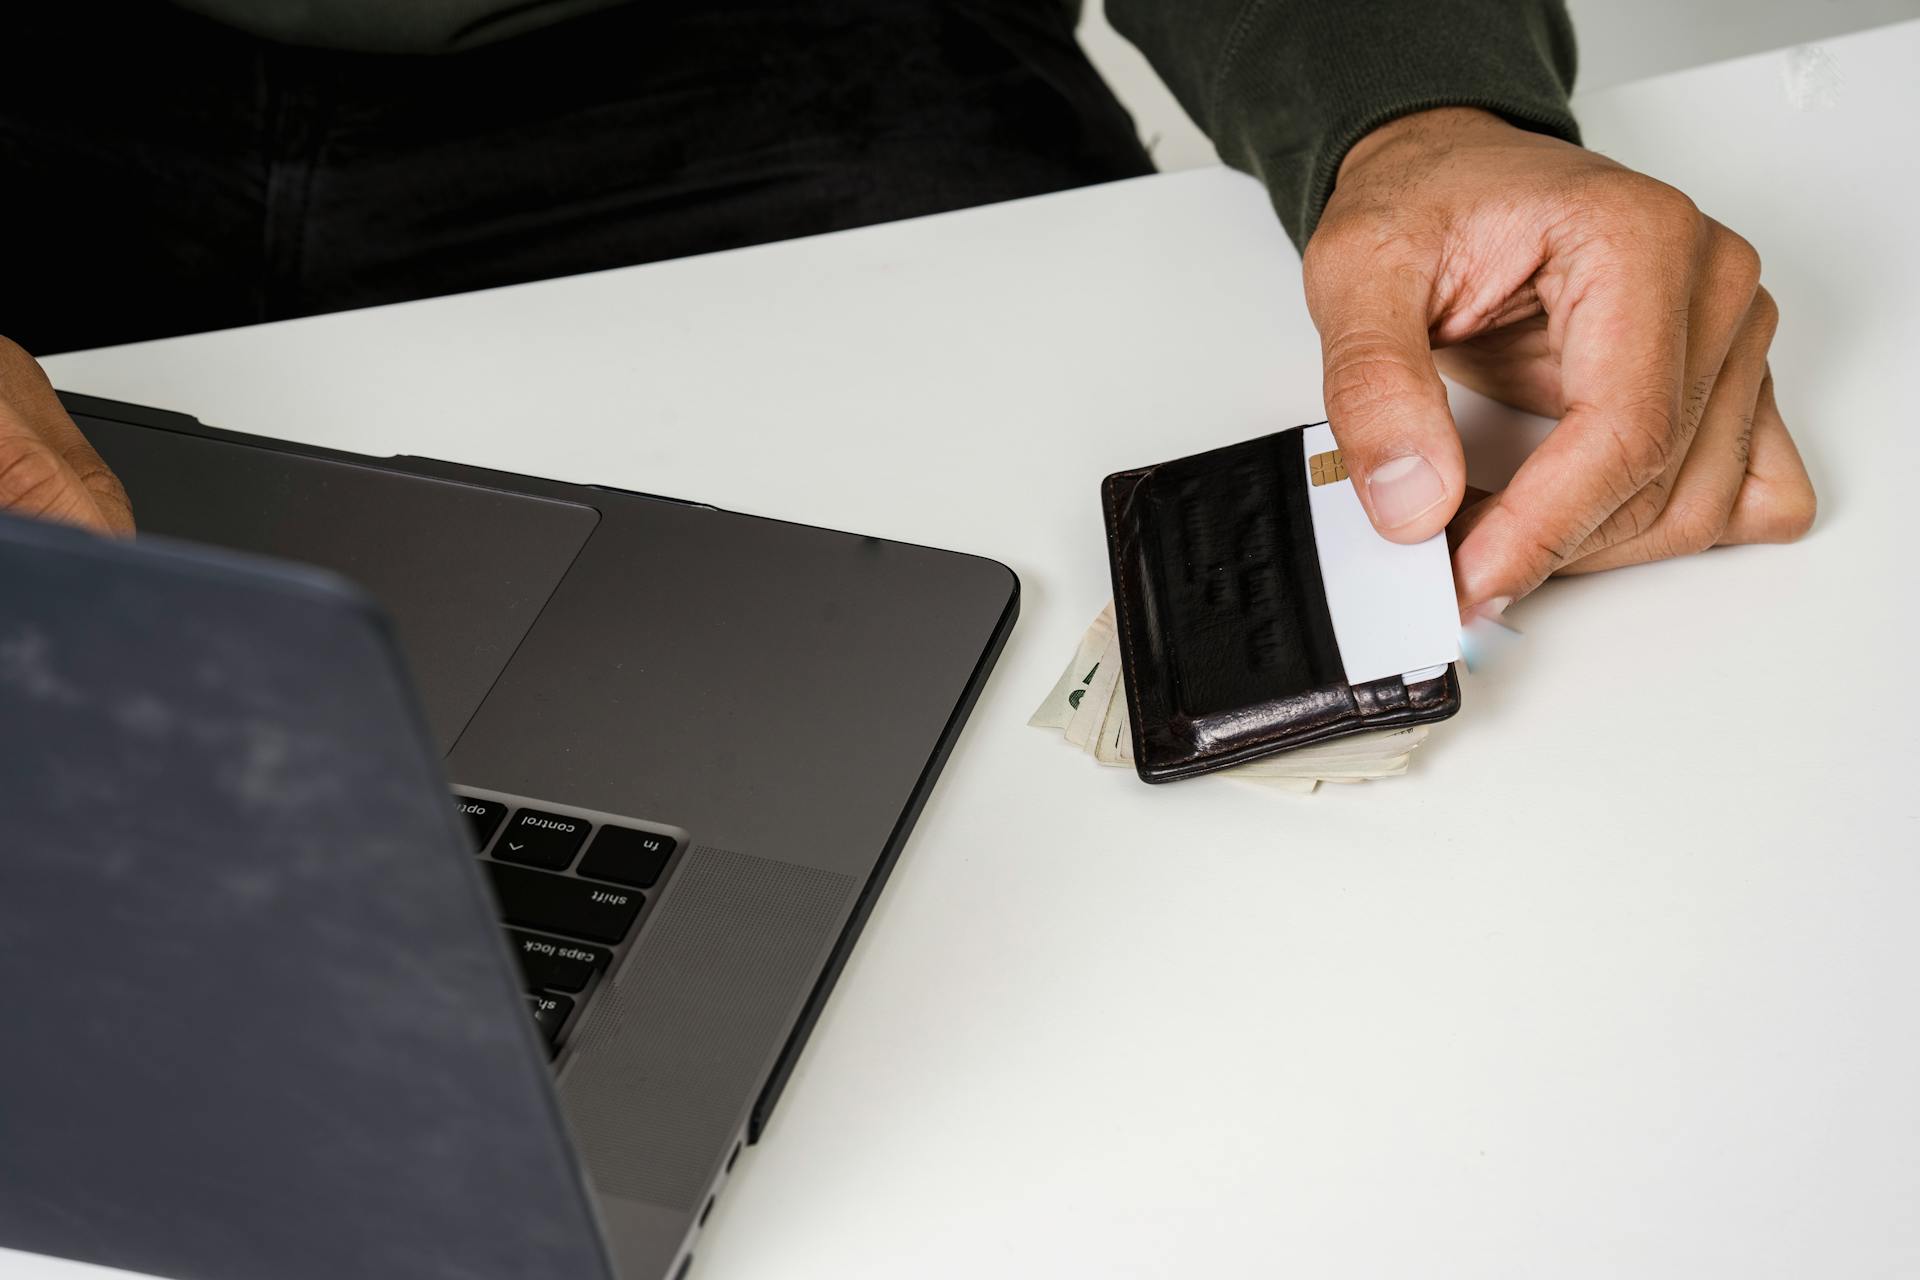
{"points": [[1621, 331]]}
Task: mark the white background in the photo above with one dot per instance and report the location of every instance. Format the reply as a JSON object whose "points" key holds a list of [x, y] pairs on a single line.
{"points": [[1619, 981]]}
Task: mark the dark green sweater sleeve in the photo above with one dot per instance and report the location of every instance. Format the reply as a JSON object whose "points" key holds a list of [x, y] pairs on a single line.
{"points": [[1284, 87]]}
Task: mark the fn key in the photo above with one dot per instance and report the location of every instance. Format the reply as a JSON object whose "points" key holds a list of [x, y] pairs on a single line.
{"points": [[561, 904], [626, 856]]}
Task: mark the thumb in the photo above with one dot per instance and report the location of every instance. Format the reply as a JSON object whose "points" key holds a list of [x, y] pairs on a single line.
{"points": [[1385, 400]]}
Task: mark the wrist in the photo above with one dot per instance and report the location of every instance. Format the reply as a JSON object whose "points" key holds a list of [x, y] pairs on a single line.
{"points": [[1433, 129]]}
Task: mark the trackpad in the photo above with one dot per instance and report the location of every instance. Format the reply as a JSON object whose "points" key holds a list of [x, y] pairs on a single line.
{"points": [[463, 570]]}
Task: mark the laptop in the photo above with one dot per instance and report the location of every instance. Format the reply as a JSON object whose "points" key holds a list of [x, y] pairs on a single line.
{"points": [[420, 871]]}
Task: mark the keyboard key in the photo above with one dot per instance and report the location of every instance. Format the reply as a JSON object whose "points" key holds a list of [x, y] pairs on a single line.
{"points": [[553, 964], [550, 1014], [482, 815], [560, 904], [539, 839], [626, 856]]}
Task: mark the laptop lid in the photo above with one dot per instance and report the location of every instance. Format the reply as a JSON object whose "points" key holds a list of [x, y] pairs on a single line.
{"points": [[783, 696], [260, 1020]]}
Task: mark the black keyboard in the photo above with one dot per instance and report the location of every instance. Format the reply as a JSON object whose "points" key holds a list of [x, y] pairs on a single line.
{"points": [[572, 887]]}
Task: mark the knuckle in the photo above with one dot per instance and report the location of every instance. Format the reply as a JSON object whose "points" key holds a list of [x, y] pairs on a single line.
{"points": [[1650, 504], [1667, 206], [1620, 495], [1643, 437], [1638, 515], [1639, 209], [1366, 372], [1736, 258], [31, 477], [1764, 314], [1691, 528], [108, 493], [1638, 219], [1544, 559], [1732, 271]]}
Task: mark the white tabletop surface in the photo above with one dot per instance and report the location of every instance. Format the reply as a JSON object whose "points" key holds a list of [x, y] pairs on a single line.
{"points": [[1619, 981]]}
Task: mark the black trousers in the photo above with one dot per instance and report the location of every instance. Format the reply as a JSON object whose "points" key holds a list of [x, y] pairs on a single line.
{"points": [[160, 174]]}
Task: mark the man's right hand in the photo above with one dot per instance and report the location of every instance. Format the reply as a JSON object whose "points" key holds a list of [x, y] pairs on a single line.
{"points": [[1553, 279], [47, 468]]}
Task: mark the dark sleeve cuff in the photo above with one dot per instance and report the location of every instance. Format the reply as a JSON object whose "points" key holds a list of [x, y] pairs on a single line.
{"points": [[1285, 87]]}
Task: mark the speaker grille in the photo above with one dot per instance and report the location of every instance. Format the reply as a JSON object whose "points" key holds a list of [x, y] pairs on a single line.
{"points": [[670, 1058]]}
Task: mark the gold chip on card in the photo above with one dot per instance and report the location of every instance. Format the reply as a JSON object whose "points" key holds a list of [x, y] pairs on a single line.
{"points": [[1327, 467]]}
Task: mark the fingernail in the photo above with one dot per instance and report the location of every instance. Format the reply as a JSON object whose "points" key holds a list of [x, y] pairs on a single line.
{"points": [[1490, 609], [1402, 490]]}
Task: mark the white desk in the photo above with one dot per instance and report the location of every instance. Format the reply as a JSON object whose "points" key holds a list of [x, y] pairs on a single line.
{"points": [[1620, 981]]}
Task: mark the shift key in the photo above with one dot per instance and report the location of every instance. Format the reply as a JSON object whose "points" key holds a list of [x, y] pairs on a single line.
{"points": [[561, 904]]}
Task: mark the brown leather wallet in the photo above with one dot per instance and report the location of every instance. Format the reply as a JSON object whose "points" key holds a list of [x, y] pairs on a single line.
{"points": [[1225, 638]]}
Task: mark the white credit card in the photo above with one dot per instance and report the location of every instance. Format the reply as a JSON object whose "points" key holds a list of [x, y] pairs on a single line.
{"points": [[1392, 603]]}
